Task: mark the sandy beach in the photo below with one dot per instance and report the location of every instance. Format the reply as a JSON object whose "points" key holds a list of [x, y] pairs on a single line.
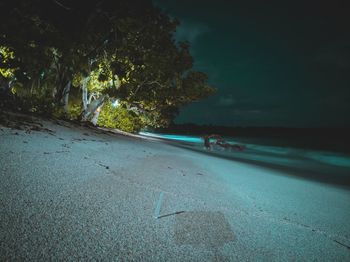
{"points": [[69, 192]]}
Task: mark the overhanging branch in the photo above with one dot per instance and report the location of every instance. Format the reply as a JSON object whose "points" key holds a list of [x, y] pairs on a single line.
{"points": [[61, 5]]}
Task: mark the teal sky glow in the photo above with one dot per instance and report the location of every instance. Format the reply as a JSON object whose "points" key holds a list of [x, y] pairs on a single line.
{"points": [[284, 63]]}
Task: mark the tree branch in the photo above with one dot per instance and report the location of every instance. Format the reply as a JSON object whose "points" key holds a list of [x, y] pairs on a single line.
{"points": [[61, 5], [145, 83]]}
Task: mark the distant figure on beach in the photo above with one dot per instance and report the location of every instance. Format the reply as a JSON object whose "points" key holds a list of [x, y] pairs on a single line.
{"points": [[206, 142], [223, 145], [206, 138]]}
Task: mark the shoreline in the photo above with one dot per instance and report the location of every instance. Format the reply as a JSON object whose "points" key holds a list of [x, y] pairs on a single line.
{"points": [[318, 172]]}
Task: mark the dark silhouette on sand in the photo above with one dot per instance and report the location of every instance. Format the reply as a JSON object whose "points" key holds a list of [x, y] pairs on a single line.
{"points": [[219, 141]]}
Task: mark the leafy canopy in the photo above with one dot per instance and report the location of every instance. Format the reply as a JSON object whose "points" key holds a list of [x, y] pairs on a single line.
{"points": [[124, 50]]}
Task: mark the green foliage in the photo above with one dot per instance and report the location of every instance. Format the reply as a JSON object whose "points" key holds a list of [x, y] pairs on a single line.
{"points": [[124, 49], [6, 57], [119, 118], [58, 112], [33, 99], [74, 105], [74, 111]]}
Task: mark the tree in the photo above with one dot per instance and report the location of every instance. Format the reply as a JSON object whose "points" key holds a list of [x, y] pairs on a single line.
{"points": [[121, 50], [119, 118]]}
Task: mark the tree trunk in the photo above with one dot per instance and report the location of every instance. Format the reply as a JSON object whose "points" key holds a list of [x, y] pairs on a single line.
{"points": [[85, 93], [56, 92], [94, 120], [65, 96], [91, 96], [32, 84], [92, 107]]}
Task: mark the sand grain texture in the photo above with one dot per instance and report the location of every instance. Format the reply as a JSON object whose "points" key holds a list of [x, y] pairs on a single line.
{"points": [[75, 193]]}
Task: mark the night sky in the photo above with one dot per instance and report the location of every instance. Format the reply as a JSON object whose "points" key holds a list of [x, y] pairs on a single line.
{"points": [[285, 63]]}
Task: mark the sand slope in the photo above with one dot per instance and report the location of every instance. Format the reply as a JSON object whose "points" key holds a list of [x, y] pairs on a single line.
{"points": [[74, 193]]}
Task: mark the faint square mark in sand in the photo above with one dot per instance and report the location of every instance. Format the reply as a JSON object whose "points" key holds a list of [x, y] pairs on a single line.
{"points": [[202, 228]]}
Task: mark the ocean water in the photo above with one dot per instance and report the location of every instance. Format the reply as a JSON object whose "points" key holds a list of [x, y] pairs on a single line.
{"points": [[263, 152]]}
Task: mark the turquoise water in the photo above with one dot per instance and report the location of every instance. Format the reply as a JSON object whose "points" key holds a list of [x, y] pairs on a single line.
{"points": [[254, 150], [179, 138]]}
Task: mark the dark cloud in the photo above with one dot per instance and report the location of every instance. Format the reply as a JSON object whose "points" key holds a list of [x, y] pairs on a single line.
{"points": [[282, 63], [190, 30], [226, 101]]}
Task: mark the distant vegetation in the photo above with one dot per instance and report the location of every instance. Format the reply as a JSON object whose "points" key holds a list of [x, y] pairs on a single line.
{"points": [[75, 59]]}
